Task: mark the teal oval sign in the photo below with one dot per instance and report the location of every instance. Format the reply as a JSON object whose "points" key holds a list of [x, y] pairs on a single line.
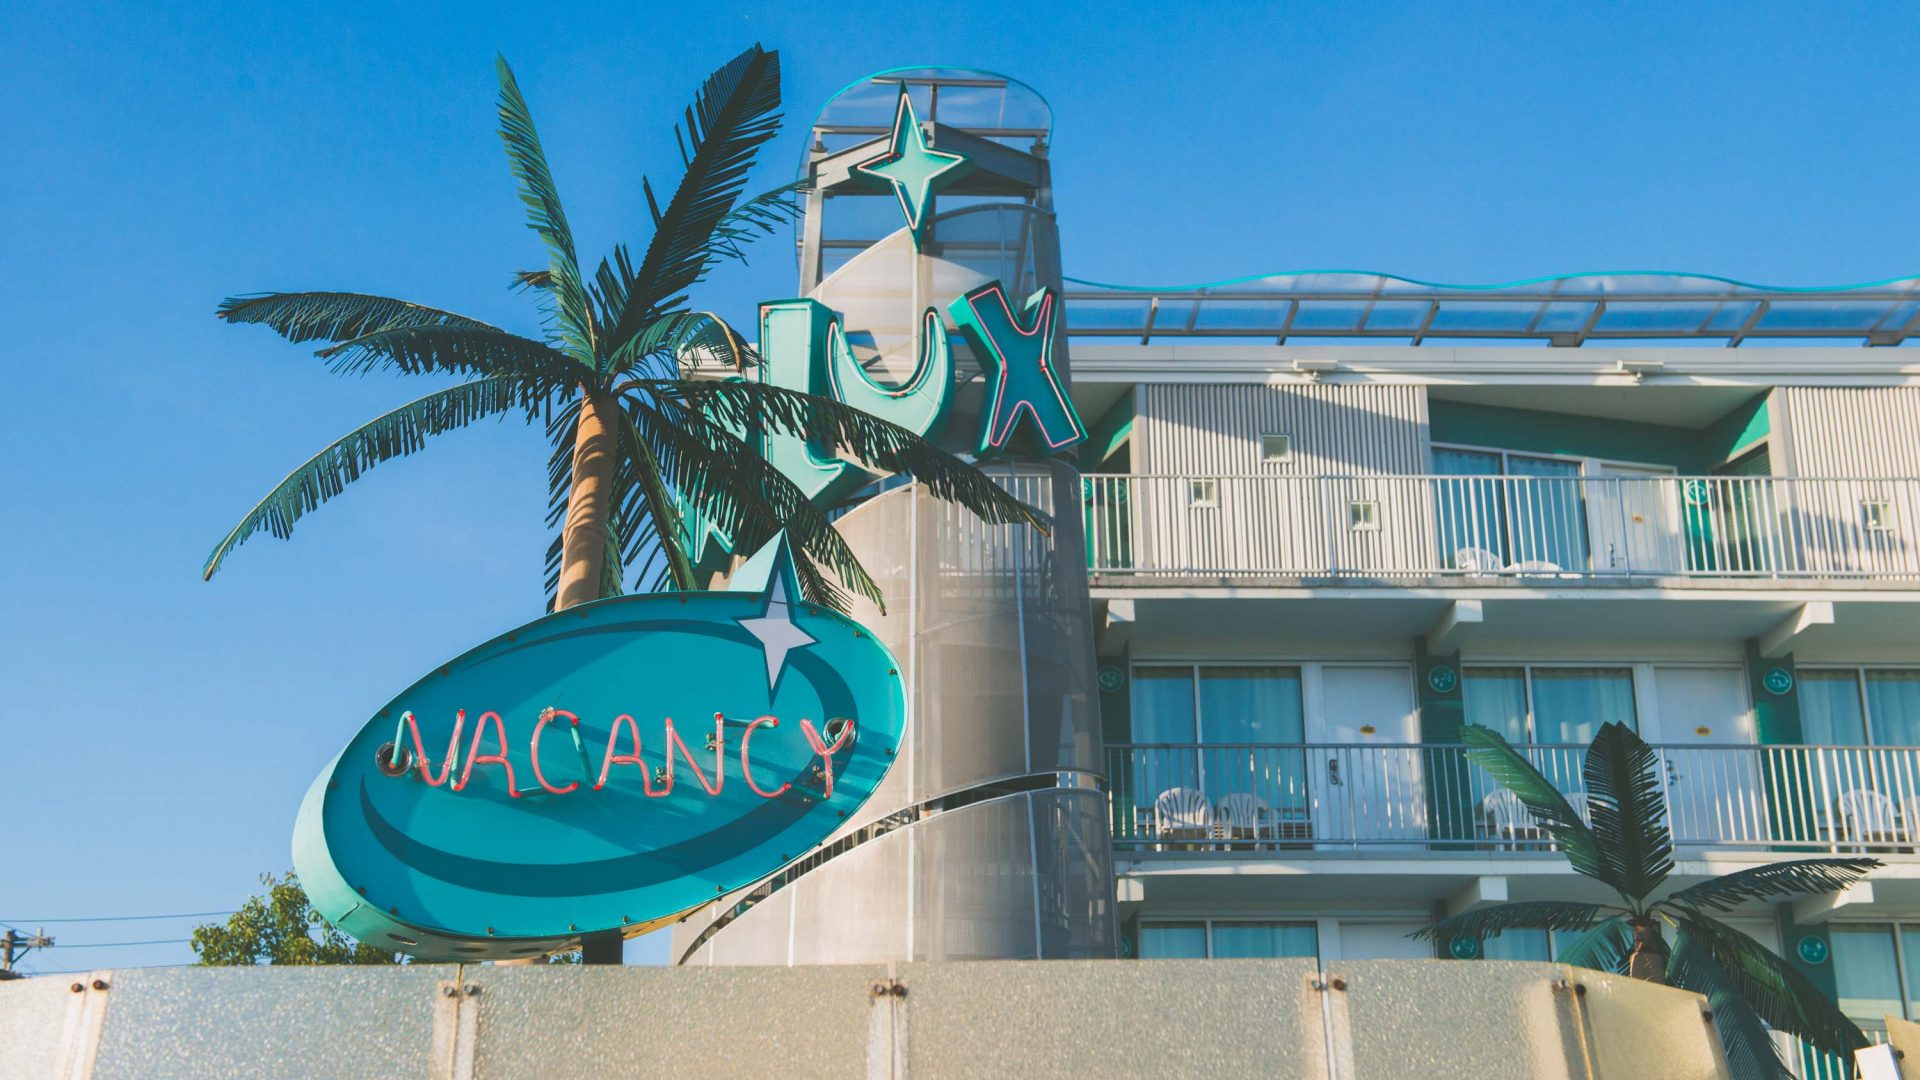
{"points": [[1813, 949], [1778, 681], [1442, 679], [603, 769]]}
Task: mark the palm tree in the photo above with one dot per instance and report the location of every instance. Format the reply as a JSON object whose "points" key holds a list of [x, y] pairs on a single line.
{"points": [[1629, 849], [636, 443]]}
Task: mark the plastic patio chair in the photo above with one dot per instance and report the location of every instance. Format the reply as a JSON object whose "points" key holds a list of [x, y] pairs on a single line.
{"points": [[1865, 817], [1477, 560], [1245, 814], [1506, 817], [1182, 813]]}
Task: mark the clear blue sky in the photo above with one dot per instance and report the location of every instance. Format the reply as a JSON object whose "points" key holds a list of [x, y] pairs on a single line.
{"points": [[158, 732]]}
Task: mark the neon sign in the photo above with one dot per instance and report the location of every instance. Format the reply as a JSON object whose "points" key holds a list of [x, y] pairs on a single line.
{"points": [[602, 770], [912, 167], [1018, 355]]}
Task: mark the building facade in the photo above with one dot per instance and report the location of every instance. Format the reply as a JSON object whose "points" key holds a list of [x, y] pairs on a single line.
{"points": [[1317, 523]]}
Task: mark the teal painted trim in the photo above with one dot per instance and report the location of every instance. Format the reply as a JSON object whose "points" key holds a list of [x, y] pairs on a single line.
{"points": [[918, 68], [1443, 713], [1731, 435], [1776, 717], [1820, 975], [1565, 434], [1114, 427], [1519, 283]]}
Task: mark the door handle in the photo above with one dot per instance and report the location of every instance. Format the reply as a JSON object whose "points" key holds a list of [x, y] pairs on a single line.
{"points": [[1333, 771]]}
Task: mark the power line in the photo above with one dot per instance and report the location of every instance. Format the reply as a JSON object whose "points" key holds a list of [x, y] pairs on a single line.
{"points": [[122, 918], [118, 944]]}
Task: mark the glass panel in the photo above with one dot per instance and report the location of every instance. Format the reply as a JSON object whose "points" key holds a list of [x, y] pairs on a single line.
{"points": [[1470, 513], [1830, 709], [1173, 941], [1893, 704], [1163, 705], [1265, 940], [1548, 517], [1570, 704], [1250, 705], [1496, 697], [1910, 948], [1268, 784], [1864, 968], [1516, 945]]}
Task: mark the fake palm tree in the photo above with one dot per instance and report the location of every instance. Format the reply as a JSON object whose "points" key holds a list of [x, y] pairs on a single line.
{"points": [[637, 445], [1629, 849]]}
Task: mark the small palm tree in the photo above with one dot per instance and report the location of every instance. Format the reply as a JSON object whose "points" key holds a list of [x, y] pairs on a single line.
{"points": [[635, 442], [1629, 849]]}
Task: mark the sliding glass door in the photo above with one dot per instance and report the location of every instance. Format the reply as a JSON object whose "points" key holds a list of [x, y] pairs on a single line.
{"points": [[1502, 511]]}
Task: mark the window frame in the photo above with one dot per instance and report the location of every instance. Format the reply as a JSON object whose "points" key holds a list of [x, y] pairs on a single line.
{"points": [[1208, 921], [1859, 673], [1526, 682]]}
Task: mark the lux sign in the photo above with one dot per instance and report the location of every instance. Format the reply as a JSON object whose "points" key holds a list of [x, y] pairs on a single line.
{"points": [[583, 789], [804, 347]]}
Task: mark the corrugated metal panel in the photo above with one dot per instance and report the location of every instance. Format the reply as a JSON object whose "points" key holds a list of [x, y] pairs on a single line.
{"points": [[1846, 431], [1213, 434], [1344, 429]]}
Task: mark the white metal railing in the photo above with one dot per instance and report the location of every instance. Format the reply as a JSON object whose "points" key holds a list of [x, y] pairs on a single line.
{"points": [[1333, 796], [1502, 526]]}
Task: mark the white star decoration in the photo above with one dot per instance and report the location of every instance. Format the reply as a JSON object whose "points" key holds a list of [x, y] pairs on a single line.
{"points": [[776, 630]]}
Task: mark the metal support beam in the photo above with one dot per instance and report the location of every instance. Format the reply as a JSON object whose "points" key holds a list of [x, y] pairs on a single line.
{"points": [[1444, 636], [1780, 640], [1759, 312]]}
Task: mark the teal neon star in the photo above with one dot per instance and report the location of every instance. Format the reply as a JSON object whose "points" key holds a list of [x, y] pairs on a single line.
{"points": [[910, 165]]}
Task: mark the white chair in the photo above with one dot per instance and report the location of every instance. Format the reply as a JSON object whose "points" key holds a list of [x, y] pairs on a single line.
{"points": [[1506, 817], [1477, 561], [1910, 814], [1865, 817], [1182, 813], [1535, 568], [1245, 814]]}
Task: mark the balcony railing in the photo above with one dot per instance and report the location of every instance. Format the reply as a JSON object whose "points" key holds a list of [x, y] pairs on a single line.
{"points": [[1488, 527], [1351, 796]]}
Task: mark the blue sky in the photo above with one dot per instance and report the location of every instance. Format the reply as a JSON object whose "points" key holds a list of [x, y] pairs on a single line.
{"points": [[158, 731]]}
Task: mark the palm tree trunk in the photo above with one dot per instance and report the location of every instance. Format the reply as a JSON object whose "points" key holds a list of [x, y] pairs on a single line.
{"points": [[1648, 960], [583, 540]]}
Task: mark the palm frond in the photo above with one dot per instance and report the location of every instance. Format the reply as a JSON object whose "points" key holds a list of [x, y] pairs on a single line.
{"points": [[693, 342], [1796, 878], [759, 216], [724, 480], [1782, 997], [1749, 1046], [1604, 947], [396, 434], [546, 217], [1490, 921], [335, 316], [460, 350], [662, 514], [1629, 816], [531, 279], [838, 427], [732, 115], [1548, 806]]}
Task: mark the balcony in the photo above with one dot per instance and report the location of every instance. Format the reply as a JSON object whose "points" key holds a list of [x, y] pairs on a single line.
{"points": [[1486, 529], [1325, 797]]}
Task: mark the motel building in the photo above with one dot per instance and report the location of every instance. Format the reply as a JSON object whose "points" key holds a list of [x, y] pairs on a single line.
{"points": [[1306, 526]]}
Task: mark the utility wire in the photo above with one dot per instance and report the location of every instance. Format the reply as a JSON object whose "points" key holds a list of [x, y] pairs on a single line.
{"points": [[121, 918], [118, 944]]}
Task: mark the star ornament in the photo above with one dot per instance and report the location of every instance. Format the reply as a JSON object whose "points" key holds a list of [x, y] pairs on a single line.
{"points": [[776, 631], [911, 166]]}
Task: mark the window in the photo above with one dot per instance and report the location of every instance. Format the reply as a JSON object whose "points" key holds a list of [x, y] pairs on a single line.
{"points": [[1203, 493], [1876, 515], [1223, 939], [1502, 508], [1276, 448], [1248, 721], [1363, 516], [1542, 704], [1859, 706]]}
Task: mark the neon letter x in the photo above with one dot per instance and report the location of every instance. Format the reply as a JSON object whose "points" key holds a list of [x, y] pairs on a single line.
{"points": [[1019, 364]]}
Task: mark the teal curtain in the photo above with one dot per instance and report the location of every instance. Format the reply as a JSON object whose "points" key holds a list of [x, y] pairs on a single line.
{"points": [[1570, 704], [1548, 515], [1252, 708], [1830, 713], [1163, 713], [1893, 703], [1866, 973], [1265, 940], [1496, 697], [1517, 945], [1173, 941], [1470, 513]]}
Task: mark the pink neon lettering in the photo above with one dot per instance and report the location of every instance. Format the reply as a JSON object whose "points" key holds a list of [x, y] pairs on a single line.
{"points": [[746, 767], [420, 751], [612, 759], [826, 752], [719, 757], [475, 757], [534, 749]]}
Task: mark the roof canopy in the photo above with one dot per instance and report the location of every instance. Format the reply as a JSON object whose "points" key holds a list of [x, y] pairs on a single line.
{"points": [[1570, 309]]}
